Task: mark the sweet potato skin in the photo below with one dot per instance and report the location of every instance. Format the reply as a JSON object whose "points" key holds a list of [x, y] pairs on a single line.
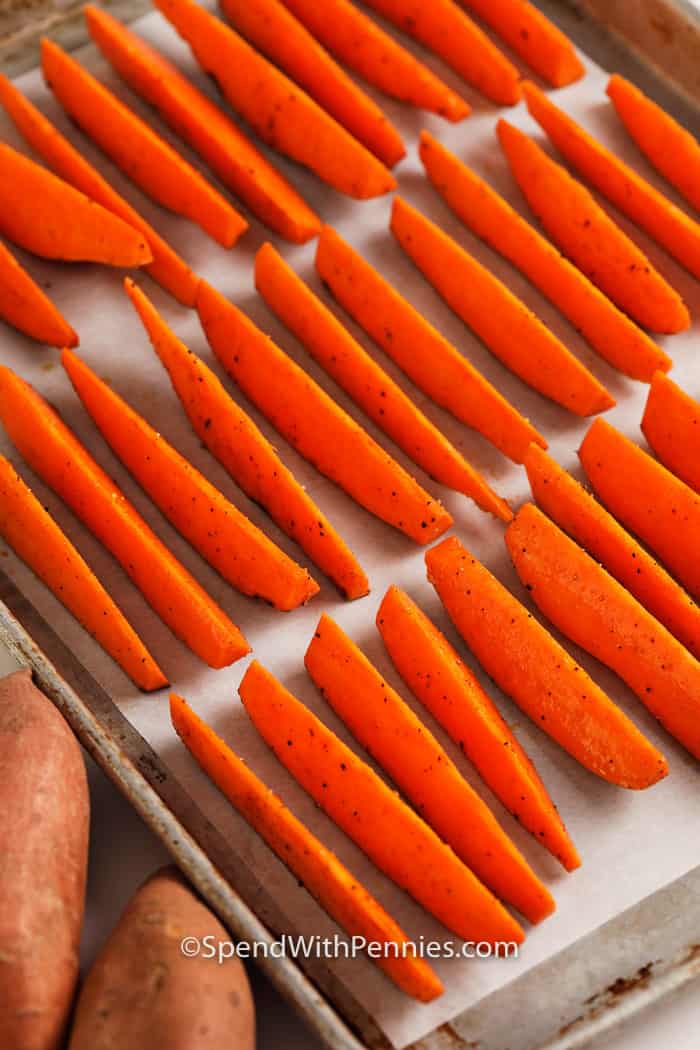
{"points": [[143, 991], [43, 866]]}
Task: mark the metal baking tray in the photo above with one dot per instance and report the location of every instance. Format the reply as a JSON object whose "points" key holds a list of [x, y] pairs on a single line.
{"points": [[631, 962]]}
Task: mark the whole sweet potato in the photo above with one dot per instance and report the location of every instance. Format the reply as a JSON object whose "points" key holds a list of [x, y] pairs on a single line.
{"points": [[143, 991], [43, 864]]}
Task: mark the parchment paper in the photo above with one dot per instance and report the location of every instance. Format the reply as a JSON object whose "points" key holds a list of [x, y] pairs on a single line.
{"points": [[632, 844]]}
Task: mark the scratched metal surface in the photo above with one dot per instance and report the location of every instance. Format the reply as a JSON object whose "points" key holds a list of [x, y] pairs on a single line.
{"points": [[620, 969]]}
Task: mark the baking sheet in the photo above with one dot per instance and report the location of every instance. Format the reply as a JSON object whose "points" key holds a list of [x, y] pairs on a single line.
{"points": [[631, 844]]}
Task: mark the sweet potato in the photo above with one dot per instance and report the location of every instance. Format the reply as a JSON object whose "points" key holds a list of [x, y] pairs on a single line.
{"points": [[451, 34], [503, 322], [143, 990], [363, 46], [434, 364], [590, 237], [634, 196], [596, 612], [43, 866], [671, 425], [671, 149], [278, 111], [360, 376], [47, 217], [440, 679], [315, 425], [530, 666], [272, 29], [234, 439], [36, 538], [25, 306], [225, 537], [384, 724], [647, 498], [318, 869], [205, 127], [398, 841], [143, 156], [167, 268], [609, 331]]}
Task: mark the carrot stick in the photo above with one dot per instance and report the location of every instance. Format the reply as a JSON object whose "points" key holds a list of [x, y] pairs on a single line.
{"points": [[672, 150], [25, 306], [57, 457], [393, 836], [47, 217], [137, 149], [167, 268], [589, 237], [234, 439], [596, 612], [610, 332], [648, 499], [502, 321], [428, 359], [408, 752], [317, 427], [532, 36], [36, 538], [205, 127], [229, 541], [443, 683], [278, 111], [671, 425], [443, 28], [272, 29], [634, 196], [530, 666], [359, 43], [587, 522], [317, 868], [383, 400]]}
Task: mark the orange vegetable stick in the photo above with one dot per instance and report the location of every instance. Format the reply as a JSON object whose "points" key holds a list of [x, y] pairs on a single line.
{"points": [[359, 43], [443, 28], [47, 217], [393, 836], [502, 321], [634, 196], [36, 538], [610, 332], [443, 683], [234, 439], [318, 869], [427, 358], [587, 605], [145, 157], [405, 748], [25, 306], [590, 524], [532, 36], [667, 145], [383, 400], [671, 425], [205, 127], [57, 457], [272, 29], [278, 111], [589, 237], [654, 504], [167, 268], [229, 541], [314, 424], [530, 666]]}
